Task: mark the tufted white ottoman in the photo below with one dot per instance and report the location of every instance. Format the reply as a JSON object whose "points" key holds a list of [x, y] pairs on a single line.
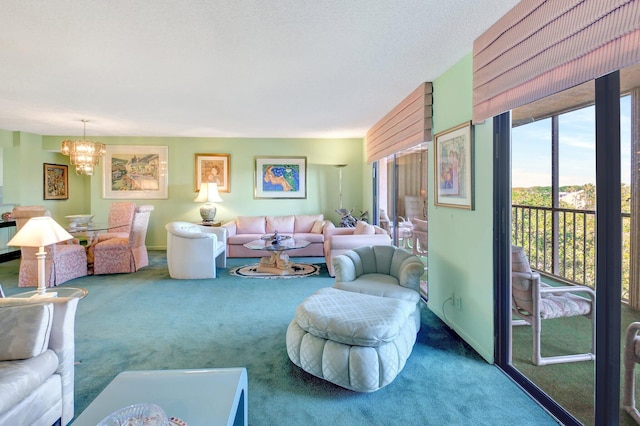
{"points": [[357, 341]]}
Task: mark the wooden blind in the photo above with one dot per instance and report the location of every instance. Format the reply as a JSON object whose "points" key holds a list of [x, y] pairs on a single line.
{"points": [[407, 125], [543, 47]]}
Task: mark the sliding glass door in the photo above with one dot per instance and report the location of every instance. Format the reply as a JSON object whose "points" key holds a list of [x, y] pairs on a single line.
{"points": [[570, 197]]}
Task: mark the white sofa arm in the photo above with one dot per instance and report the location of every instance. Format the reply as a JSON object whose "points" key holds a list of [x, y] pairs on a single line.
{"points": [[231, 227], [220, 232]]}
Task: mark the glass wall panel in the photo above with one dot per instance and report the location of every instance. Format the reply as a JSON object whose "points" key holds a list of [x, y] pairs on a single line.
{"points": [[402, 195], [553, 176]]}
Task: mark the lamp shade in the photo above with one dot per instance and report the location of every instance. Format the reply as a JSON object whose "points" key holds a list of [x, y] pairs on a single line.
{"points": [[39, 232], [208, 193]]}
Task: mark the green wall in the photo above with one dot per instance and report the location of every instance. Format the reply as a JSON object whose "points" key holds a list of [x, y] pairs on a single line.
{"points": [[23, 159], [24, 155], [461, 241]]}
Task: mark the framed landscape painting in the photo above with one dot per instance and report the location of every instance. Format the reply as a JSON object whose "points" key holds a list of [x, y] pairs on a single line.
{"points": [[454, 167], [213, 168], [56, 182], [281, 177], [135, 172]]}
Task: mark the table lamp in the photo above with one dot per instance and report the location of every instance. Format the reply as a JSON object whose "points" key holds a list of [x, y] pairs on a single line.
{"points": [[40, 232], [208, 194]]}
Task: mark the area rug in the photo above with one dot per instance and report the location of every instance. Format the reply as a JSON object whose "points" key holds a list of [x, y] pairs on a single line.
{"points": [[300, 270]]}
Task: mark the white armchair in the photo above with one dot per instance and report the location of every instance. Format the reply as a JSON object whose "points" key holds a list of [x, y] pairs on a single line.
{"points": [[194, 251]]}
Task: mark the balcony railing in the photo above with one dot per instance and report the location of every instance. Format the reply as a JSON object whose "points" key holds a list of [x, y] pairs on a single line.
{"points": [[560, 242]]}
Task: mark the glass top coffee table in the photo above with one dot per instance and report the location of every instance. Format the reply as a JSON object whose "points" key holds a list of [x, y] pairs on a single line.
{"points": [[278, 262], [215, 396]]}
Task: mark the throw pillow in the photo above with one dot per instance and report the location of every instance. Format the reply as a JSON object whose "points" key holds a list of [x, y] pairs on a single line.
{"points": [[250, 224], [304, 222], [317, 227], [25, 330], [363, 228]]}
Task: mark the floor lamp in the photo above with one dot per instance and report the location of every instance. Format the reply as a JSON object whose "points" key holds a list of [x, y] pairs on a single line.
{"points": [[340, 167], [40, 232]]}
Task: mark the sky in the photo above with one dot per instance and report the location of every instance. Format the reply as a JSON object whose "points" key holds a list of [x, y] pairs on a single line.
{"points": [[531, 149]]}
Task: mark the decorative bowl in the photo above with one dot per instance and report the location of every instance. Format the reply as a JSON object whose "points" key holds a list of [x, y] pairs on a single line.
{"points": [[143, 414], [79, 219]]}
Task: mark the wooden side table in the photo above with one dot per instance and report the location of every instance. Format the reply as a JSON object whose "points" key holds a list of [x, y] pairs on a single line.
{"points": [[215, 223]]}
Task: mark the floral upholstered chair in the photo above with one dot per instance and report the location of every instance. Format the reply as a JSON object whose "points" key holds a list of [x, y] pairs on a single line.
{"points": [[65, 261], [534, 301], [124, 255], [120, 213]]}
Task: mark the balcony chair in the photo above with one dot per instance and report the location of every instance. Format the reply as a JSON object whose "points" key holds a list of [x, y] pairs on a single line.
{"points": [[64, 261], [631, 358], [420, 237], [124, 255], [534, 301], [194, 251], [119, 213], [413, 209]]}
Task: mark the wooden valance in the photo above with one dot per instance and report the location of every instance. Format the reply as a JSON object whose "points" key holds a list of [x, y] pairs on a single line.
{"points": [[543, 47], [407, 125]]}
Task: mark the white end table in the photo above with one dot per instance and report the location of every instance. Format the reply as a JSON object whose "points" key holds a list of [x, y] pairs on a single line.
{"points": [[210, 396]]}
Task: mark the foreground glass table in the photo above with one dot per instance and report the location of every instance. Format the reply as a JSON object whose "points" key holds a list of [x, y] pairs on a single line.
{"points": [[55, 291], [278, 262], [207, 396]]}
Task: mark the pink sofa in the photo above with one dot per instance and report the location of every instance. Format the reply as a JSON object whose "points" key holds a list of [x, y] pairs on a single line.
{"points": [[248, 228], [338, 241]]}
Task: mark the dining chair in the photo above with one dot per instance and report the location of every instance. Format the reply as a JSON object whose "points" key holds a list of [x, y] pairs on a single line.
{"points": [[124, 255], [63, 262], [120, 213]]}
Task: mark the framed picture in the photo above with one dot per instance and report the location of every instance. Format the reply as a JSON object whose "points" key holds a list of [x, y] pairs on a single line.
{"points": [[132, 172], [56, 182], [453, 178], [281, 177], [213, 168]]}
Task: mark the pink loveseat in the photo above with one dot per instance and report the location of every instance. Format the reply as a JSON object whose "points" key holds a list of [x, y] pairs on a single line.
{"points": [[248, 228], [338, 241]]}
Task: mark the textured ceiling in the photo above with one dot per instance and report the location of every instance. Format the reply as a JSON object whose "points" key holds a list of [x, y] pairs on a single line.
{"points": [[233, 68]]}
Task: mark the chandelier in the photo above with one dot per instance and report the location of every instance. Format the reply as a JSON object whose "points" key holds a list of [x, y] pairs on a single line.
{"points": [[83, 154]]}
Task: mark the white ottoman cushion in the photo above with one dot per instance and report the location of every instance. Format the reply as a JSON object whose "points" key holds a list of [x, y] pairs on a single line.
{"points": [[353, 318], [357, 341]]}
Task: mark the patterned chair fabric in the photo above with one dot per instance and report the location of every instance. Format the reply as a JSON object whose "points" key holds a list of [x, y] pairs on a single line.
{"points": [[64, 261], [533, 301], [124, 255], [119, 213]]}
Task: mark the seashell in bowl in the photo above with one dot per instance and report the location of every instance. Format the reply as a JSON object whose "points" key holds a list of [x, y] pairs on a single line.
{"points": [[79, 219], [144, 414]]}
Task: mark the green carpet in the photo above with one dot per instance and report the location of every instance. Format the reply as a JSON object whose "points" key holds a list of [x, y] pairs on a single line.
{"points": [[147, 320]]}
